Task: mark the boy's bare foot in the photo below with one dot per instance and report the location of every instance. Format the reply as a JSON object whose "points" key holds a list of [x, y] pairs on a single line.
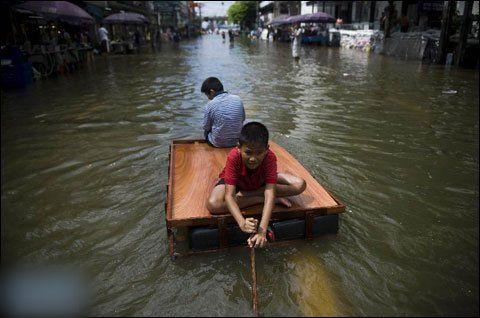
{"points": [[255, 193], [283, 201]]}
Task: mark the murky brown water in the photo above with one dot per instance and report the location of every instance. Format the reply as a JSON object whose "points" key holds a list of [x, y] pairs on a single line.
{"points": [[84, 168]]}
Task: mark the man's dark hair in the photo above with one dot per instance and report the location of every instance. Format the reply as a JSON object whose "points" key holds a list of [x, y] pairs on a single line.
{"points": [[254, 133], [211, 83]]}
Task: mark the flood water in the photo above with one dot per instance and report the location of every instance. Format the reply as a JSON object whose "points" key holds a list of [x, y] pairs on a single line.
{"points": [[84, 173]]}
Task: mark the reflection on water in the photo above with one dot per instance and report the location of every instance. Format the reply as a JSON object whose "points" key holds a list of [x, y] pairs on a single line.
{"points": [[84, 168], [314, 288]]}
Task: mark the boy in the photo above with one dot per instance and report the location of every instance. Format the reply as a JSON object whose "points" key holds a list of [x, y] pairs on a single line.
{"points": [[251, 168], [224, 115]]}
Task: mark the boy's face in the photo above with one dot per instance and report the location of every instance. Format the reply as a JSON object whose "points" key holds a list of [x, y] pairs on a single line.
{"points": [[252, 155]]}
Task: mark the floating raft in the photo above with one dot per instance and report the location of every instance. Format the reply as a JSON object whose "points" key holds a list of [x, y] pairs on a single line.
{"points": [[193, 172]]}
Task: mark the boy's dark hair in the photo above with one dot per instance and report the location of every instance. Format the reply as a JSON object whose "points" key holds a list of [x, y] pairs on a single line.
{"points": [[254, 133], [211, 83]]}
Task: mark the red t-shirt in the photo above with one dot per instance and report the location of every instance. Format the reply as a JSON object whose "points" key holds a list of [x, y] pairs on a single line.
{"points": [[236, 173]]}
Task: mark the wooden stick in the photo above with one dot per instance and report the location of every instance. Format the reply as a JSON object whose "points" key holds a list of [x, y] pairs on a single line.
{"points": [[254, 281], [254, 275]]}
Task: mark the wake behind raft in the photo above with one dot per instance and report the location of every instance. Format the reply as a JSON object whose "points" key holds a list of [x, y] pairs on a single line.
{"points": [[193, 171]]}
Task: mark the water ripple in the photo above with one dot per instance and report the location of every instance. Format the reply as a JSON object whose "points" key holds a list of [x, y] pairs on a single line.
{"points": [[84, 169]]}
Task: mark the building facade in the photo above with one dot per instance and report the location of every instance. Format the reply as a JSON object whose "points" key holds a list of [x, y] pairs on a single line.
{"points": [[269, 10], [361, 15], [161, 14]]}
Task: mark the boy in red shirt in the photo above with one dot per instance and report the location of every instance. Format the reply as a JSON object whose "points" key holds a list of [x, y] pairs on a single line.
{"points": [[251, 168]]}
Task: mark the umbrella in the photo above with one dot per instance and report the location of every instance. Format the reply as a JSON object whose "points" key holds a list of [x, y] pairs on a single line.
{"points": [[281, 19], [321, 17], [126, 17], [58, 10]]}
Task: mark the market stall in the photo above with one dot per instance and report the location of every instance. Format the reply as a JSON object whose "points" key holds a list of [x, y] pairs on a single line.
{"points": [[52, 37], [128, 31]]}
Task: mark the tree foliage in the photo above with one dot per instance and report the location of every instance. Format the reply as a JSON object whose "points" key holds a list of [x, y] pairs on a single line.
{"points": [[243, 13]]}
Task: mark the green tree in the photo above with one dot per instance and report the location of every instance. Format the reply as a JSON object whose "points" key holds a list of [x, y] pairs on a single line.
{"points": [[243, 13]]}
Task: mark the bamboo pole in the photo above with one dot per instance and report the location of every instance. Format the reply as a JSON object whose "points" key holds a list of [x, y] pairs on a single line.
{"points": [[270, 238], [254, 281]]}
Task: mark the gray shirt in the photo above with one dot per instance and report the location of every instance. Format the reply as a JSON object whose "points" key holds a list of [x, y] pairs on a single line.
{"points": [[223, 119]]}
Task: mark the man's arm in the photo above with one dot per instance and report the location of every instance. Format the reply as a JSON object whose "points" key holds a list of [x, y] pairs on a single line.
{"points": [[260, 239], [246, 225]]}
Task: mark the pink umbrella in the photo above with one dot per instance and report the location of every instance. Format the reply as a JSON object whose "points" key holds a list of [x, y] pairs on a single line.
{"points": [[58, 10], [126, 17], [319, 17], [281, 19]]}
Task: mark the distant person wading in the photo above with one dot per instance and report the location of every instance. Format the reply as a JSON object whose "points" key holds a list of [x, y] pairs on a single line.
{"points": [[103, 35], [296, 34]]}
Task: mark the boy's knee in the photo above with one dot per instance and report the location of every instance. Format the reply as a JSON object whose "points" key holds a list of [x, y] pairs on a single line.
{"points": [[213, 206], [300, 185]]}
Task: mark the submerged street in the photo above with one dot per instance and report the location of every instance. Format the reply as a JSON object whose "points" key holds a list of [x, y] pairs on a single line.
{"points": [[84, 173]]}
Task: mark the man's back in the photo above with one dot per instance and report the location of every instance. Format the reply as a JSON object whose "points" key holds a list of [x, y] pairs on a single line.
{"points": [[103, 34], [223, 119]]}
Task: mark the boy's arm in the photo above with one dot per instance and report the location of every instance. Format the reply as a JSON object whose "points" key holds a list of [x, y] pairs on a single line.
{"points": [[246, 225], [260, 239], [267, 208], [243, 108], [207, 121], [271, 179]]}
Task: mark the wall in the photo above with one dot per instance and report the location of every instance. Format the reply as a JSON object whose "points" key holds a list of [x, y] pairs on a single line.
{"points": [[304, 9]]}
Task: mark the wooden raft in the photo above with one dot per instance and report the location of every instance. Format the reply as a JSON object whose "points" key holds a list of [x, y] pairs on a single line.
{"points": [[193, 172]]}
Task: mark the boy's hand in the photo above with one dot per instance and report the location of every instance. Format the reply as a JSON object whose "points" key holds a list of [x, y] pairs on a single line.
{"points": [[257, 240], [249, 225]]}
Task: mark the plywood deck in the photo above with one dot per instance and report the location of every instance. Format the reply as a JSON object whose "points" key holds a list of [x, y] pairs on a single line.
{"points": [[194, 169]]}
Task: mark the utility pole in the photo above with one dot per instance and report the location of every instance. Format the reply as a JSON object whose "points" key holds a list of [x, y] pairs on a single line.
{"points": [[448, 10], [257, 22], [371, 19], [388, 22], [464, 30]]}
